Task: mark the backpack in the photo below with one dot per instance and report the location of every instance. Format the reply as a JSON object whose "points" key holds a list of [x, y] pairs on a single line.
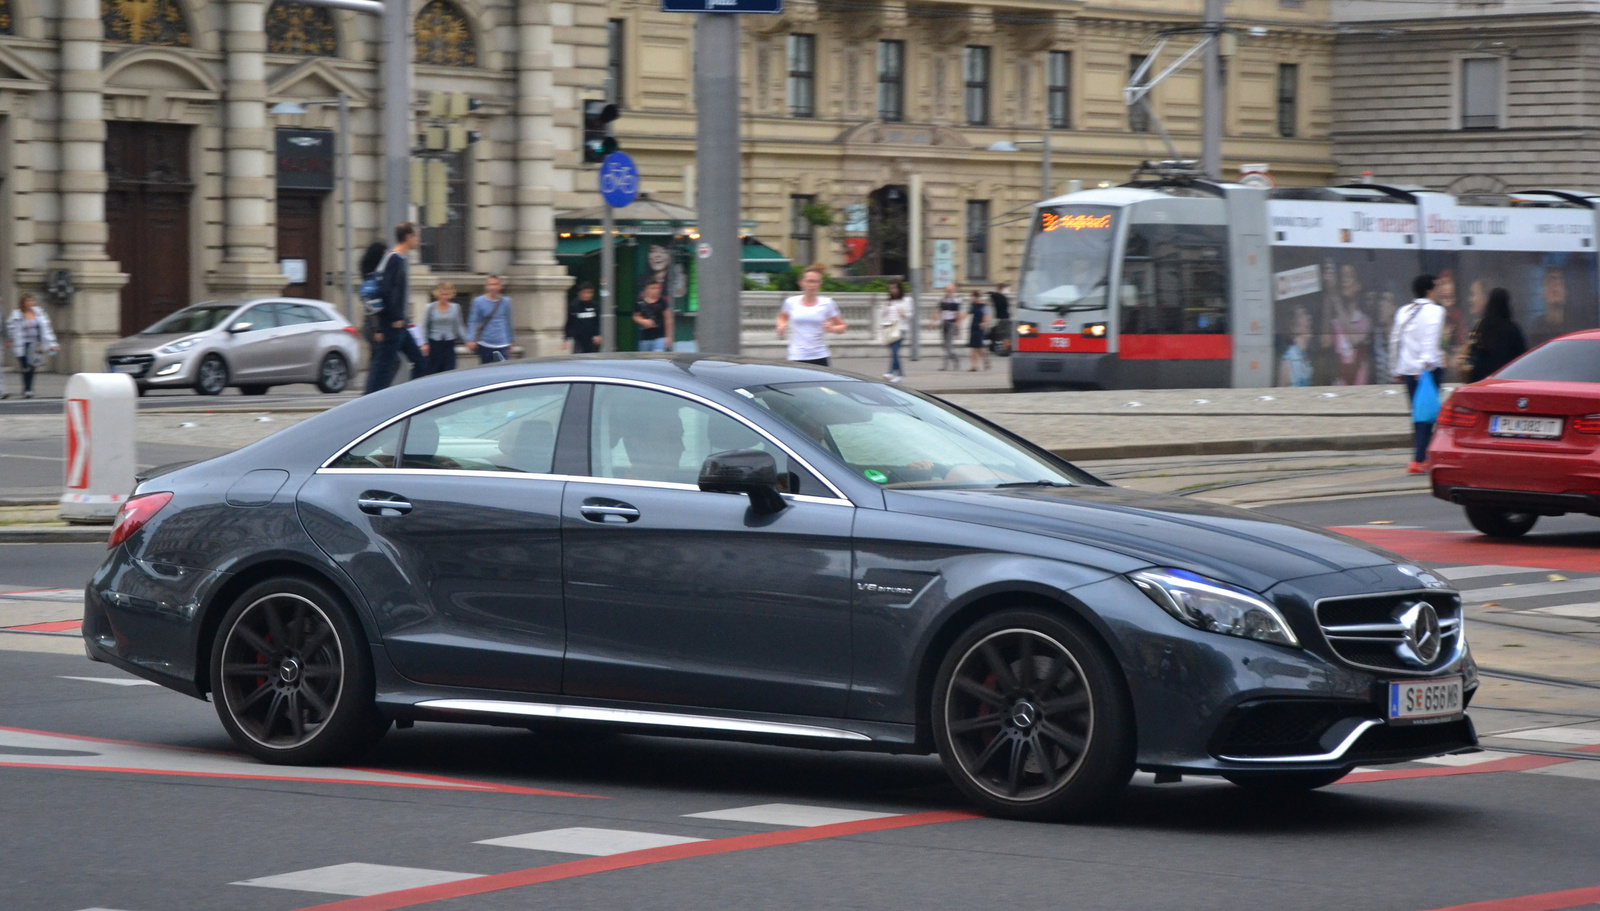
{"points": [[371, 290]]}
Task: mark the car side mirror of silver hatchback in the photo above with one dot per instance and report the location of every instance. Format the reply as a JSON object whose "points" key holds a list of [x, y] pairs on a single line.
{"points": [[237, 328], [746, 471]]}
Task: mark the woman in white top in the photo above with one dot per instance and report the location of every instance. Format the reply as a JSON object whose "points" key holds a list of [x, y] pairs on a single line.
{"points": [[30, 336], [810, 316], [1413, 351], [894, 321]]}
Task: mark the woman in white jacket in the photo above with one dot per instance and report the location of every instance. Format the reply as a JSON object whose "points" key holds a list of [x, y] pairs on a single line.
{"points": [[29, 337], [894, 321], [1413, 351]]}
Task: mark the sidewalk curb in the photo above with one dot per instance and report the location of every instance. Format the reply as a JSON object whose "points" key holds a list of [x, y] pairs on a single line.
{"points": [[87, 534], [1355, 441]]}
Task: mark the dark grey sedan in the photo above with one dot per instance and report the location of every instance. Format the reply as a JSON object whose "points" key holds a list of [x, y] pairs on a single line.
{"points": [[713, 547]]}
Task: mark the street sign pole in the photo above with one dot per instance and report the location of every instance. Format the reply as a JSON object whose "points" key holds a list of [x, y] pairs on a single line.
{"points": [[619, 186], [716, 93]]}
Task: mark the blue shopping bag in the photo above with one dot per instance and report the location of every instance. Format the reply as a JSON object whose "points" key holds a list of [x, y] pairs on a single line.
{"points": [[1425, 404]]}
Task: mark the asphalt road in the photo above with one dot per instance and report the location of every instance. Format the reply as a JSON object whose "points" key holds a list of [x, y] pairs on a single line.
{"points": [[130, 797]]}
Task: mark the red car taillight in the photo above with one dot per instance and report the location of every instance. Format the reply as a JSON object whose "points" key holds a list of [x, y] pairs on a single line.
{"points": [[1589, 423], [1457, 416], [134, 513], [351, 330]]}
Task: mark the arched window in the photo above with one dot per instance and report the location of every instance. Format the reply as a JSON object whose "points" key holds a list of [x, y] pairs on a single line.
{"points": [[444, 37], [5, 18], [145, 22], [297, 28]]}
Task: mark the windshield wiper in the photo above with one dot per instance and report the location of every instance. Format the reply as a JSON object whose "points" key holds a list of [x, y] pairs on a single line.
{"points": [[1040, 483]]}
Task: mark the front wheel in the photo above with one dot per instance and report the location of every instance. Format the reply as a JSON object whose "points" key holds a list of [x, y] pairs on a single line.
{"points": [[1286, 782], [334, 373], [292, 677], [1031, 720], [1501, 523], [212, 376]]}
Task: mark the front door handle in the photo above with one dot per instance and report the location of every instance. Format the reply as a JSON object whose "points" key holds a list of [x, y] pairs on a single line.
{"points": [[604, 511], [374, 503]]}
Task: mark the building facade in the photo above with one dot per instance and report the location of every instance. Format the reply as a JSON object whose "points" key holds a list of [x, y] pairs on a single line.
{"points": [[140, 160], [1474, 96], [844, 101]]}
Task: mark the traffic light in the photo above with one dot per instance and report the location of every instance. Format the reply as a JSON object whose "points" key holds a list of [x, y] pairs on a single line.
{"points": [[597, 139]]}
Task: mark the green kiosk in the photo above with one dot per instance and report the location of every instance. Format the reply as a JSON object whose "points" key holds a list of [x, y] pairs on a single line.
{"points": [[655, 240]]}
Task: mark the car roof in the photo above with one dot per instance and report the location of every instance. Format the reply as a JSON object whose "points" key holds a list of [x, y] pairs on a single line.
{"points": [[717, 371]]}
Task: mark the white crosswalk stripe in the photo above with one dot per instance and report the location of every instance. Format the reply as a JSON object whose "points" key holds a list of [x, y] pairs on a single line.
{"points": [[357, 879], [1587, 610], [1457, 573], [593, 842], [1516, 592], [790, 814]]}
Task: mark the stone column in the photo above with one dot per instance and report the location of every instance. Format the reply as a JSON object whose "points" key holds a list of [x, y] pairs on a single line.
{"points": [[93, 319], [249, 267], [536, 281]]}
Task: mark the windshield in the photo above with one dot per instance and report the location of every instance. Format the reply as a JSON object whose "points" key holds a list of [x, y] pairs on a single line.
{"points": [[899, 439], [198, 318], [1068, 263], [1573, 360]]}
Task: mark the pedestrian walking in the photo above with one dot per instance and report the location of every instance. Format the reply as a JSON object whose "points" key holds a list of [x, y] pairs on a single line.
{"points": [[442, 329], [894, 321], [5, 345], [947, 319], [489, 326], [1000, 320], [583, 321], [1415, 357], [978, 332], [1496, 341], [811, 317], [391, 336], [652, 314], [30, 339]]}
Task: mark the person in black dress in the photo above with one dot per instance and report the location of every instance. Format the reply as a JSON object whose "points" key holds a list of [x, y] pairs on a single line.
{"points": [[1496, 340], [978, 331]]}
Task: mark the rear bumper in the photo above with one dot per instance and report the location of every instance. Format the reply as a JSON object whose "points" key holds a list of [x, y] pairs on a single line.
{"points": [[1544, 482], [1544, 504]]}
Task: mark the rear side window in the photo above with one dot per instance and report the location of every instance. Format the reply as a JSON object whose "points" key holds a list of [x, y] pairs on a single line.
{"points": [[295, 314], [261, 316], [1575, 360], [503, 430], [376, 451]]}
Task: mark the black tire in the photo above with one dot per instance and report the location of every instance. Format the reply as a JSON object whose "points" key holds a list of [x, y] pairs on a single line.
{"points": [[1287, 782], [333, 374], [1501, 523], [1038, 690], [212, 376], [292, 676], [253, 390]]}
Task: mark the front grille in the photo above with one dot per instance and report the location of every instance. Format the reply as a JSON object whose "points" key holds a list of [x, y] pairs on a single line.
{"points": [[140, 362], [1367, 631], [1282, 727]]}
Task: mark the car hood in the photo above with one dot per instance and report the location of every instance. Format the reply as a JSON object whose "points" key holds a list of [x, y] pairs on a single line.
{"points": [[144, 344], [1232, 545]]}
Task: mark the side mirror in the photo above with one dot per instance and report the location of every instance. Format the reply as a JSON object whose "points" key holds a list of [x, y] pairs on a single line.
{"points": [[237, 328], [747, 471]]}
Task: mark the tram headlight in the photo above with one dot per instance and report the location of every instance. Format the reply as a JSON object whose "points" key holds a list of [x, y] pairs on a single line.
{"points": [[1027, 329], [1094, 330]]}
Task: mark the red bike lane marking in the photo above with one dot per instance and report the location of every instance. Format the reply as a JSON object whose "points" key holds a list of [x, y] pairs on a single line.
{"points": [[1543, 901], [52, 626], [499, 882], [1454, 547]]}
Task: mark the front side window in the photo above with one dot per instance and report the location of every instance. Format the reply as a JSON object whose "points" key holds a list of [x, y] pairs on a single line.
{"points": [[644, 435], [977, 240], [1060, 80], [1480, 93], [261, 316], [1174, 280], [899, 439], [193, 319], [891, 80], [975, 62], [802, 75], [511, 430]]}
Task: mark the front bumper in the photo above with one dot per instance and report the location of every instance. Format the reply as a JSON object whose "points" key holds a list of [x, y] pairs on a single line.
{"points": [[153, 370]]}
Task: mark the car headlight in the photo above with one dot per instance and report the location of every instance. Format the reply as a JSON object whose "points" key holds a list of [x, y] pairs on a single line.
{"points": [[178, 346], [1027, 329], [1214, 606]]}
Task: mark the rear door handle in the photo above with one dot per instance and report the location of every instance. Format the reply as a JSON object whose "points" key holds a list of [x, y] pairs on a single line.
{"points": [[381, 504], [614, 512]]}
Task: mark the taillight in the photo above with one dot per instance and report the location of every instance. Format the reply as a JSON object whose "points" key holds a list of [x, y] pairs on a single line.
{"points": [[351, 330], [134, 513], [1457, 416], [1589, 423]]}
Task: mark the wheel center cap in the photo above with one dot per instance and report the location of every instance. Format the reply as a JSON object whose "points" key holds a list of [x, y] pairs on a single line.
{"points": [[1024, 714], [289, 670]]}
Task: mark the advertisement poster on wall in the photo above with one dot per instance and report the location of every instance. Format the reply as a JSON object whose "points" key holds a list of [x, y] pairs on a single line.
{"points": [[944, 263]]}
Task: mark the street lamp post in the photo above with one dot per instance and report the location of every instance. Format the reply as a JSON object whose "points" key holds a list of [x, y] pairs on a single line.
{"points": [[1046, 188]]}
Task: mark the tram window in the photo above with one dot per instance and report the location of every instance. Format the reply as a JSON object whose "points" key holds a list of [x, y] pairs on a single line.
{"points": [[1175, 280]]}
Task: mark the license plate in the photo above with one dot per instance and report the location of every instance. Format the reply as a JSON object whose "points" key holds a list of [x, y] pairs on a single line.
{"points": [[126, 368], [1425, 700], [1510, 425]]}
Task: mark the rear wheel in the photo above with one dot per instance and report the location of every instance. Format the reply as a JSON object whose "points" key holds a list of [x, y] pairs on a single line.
{"points": [[292, 675], [212, 377], [1287, 782], [1031, 720], [333, 375], [1500, 523]]}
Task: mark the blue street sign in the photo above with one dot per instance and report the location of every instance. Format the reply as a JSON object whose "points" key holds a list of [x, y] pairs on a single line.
{"points": [[722, 6], [619, 180]]}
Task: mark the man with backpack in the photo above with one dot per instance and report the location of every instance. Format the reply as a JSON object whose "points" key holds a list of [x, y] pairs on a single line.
{"points": [[489, 323], [390, 336]]}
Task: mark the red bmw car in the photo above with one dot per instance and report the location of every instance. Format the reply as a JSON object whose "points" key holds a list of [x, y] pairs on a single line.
{"points": [[1525, 442]]}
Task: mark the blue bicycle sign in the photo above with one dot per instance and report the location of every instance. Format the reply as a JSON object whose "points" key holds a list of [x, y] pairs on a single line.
{"points": [[619, 180]]}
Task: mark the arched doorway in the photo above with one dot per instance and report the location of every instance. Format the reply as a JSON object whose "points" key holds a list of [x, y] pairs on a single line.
{"points": [[888, 230]]}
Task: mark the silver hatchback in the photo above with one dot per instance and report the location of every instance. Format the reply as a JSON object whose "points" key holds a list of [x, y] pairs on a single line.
{"points": [[251, 344]]}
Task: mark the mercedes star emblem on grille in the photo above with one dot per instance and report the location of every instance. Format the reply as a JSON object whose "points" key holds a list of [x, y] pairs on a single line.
{"points": [[1422, 641]]}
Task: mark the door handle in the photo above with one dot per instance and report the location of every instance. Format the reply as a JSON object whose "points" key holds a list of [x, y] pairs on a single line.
{"points": [[376, 504], [605, 511]]}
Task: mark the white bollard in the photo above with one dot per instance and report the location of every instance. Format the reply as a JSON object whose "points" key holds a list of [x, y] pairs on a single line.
{"points": [[101, 412]]}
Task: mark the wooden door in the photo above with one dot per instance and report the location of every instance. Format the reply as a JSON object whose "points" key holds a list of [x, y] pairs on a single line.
{"points": [[147, 216], [300, 238]]}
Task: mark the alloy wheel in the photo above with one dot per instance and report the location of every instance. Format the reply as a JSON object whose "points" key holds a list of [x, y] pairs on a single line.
{"points": [[213, 376], [282, 670], [334, 374], [1020, 715]]}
